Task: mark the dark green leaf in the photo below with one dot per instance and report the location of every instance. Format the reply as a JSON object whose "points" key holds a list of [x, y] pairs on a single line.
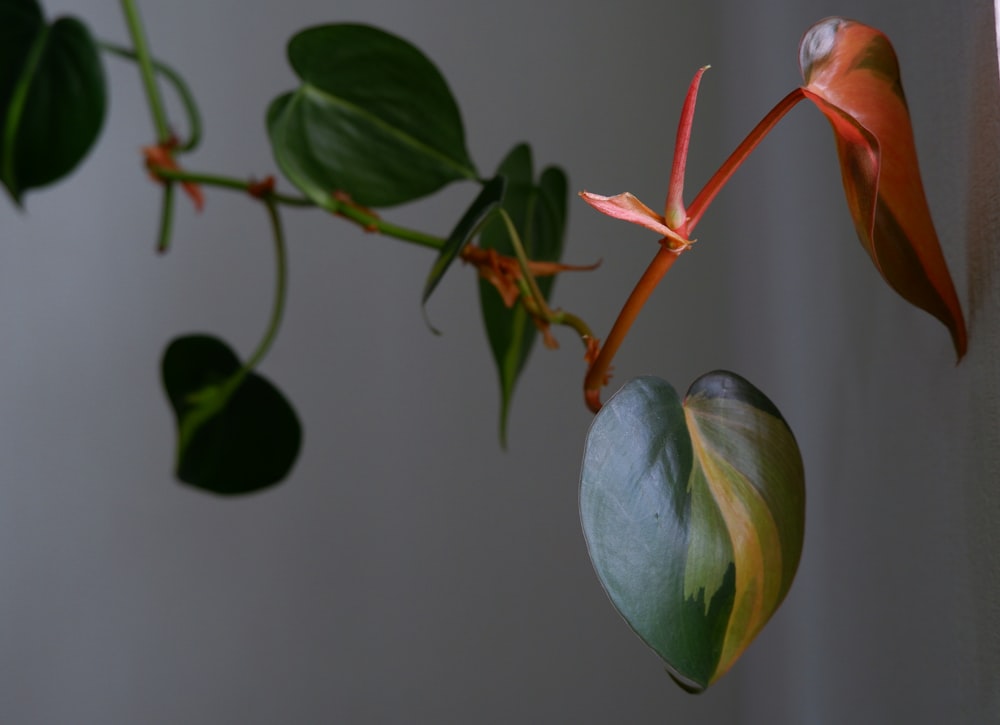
{"points": [[694, 517], [236, 432], [539, 215], [373, 118], [485, 203], [52, 96]]}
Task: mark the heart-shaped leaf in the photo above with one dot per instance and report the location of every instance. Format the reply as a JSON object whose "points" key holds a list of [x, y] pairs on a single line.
{"points": [[852, 76], [373, 118], [236, 433], [539, 215], [485, 203], [52, 96], [694, 515]]}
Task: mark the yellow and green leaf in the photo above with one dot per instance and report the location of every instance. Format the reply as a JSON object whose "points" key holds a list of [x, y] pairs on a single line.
{"points": [[852, 75], [694, 514]]}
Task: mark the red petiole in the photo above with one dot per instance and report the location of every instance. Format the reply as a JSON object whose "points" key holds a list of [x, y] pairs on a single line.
{"points": [[681, 220]]}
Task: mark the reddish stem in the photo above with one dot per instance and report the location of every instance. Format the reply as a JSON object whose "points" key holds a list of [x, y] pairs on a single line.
{"points": [[674, 213], [715, 184], [597, 374]]}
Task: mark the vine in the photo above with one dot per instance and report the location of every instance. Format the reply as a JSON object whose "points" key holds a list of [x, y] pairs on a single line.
{"points": [[692, 508]]}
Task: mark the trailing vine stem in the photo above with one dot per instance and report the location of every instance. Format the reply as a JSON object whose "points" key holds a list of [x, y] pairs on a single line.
{"points": [[194, 126], [280, 285], [531, 295], [367, 220], [161, 166], [143, 58]]}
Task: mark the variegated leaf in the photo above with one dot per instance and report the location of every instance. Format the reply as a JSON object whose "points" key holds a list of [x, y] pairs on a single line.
{"points": [[852, 76], [693, 514]]}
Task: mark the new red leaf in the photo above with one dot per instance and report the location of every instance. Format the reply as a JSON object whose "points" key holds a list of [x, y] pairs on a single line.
{"points": [[852, 75]]}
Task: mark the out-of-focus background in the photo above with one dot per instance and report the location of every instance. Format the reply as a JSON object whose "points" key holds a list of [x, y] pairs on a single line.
{"points": [[410, 570]]}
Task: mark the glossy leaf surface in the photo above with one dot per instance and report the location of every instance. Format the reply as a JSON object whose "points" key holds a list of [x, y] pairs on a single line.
{"points": [[373, 118], [852, 76], [538, 211], [236, 433], [485, 203], [52, 96], [693, 512]]}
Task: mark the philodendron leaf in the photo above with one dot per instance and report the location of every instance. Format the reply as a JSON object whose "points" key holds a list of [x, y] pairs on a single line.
{"points": [[693, 512], [52, 96], [236, 433], [373, 119], [485, 203], [852, 76], [538, 211]]}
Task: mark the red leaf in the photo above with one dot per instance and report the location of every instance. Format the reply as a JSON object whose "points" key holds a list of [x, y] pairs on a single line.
{"points": [[852, 76]]}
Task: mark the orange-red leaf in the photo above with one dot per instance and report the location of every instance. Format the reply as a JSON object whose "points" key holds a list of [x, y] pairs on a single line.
{"points": [[852, 75]]}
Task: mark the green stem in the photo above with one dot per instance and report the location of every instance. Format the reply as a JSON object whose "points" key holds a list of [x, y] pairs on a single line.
{"points": [[180, 86], [224, 182], [362, 218], [395, 231], [522, 260], [135, 30], [568, 319], [531, 294], [166, 218], [280, 290]]}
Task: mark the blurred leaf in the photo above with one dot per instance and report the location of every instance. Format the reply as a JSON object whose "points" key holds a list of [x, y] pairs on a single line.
{"points": [[52, 96], [694, 515], [539, 215], [236, 432], [485, 203], [852, 76], [373, 118]]}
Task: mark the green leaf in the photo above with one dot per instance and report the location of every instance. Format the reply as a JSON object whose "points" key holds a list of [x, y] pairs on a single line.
{"points": [[236, 432], [52, 96], [694, 517], [539, 215], [485, 203], [373, 118]]}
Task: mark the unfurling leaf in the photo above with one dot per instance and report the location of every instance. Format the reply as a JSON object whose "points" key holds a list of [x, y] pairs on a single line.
{"points": [[52, 96], [538, 211], [693, 514], [236, 433], [373, 119], [852, 75]]}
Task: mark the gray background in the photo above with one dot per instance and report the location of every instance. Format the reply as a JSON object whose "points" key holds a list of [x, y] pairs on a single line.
{"points": [[411, 571]]}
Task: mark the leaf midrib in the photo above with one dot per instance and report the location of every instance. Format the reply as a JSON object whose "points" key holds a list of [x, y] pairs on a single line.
{"points": [[407, 139]]}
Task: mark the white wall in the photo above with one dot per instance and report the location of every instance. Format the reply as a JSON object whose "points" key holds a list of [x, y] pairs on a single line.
{"points": [[410, 571]]}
